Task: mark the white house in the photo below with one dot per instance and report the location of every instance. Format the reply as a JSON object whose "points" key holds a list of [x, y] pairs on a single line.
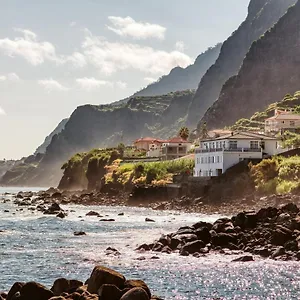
{"points": [[216, 155]]}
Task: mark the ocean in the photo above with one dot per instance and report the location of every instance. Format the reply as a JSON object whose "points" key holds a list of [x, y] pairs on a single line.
{"points": [[43, 248]]}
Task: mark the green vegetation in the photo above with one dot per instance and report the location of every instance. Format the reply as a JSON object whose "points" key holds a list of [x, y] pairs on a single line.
{"points": [[291, 140], [158, 173], [257, 121], [184, 133], [277, 175]]}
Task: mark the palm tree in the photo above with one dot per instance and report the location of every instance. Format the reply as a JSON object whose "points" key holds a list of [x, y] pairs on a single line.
{"points": [[184, 133]]}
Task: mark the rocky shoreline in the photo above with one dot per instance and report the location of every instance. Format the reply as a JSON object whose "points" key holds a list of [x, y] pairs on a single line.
{"points": [[42, 200], [103, 284], [270, 233]]}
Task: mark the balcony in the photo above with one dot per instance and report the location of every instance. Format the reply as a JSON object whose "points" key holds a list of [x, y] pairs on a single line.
{"points": [[228, 150]]}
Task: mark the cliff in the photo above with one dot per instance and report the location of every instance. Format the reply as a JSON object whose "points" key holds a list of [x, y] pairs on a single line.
{"points": [[269, 71], [6, 165], [42, 148], [92, 126], [180, 79], [262, 15]]}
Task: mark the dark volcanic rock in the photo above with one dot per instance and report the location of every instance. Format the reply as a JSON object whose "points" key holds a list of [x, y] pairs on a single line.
{"points": [[135, 294], [102, 275], [244, 259], [35, 291]]}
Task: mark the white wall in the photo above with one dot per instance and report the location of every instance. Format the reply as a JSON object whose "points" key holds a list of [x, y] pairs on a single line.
{"points": [[230, 159], [206, 166]]}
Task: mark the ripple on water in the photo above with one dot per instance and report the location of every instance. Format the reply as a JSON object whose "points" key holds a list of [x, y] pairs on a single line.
{"points": [[43, 248]]}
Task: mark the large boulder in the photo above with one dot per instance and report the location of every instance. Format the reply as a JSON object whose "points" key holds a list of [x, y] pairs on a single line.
{"points": [[17, 286], [193, 247], [63, 285], [35, 291], [135, 294], [109, 292], [138, 283], [102, 275]]}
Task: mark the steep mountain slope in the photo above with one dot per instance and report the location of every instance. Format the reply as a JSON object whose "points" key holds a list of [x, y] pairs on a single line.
{"points": [[180, 79], [93, 126], [262, 15], [269, 71], [5, 165], [58, 129]]}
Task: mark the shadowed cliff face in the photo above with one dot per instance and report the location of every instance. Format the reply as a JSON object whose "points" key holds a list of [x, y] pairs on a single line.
{"points": [[262, 15], [269, 71], [93, 126]]}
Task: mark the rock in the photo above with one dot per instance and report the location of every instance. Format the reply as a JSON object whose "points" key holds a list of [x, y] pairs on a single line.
{"points": [[63, 285], [281, 235], [203, 234], [61, 215], [79, 233], [53, 209], [144, 247], [102, 275], [149, 220], [121, 214], [14, 289], [278, 252], [35, 291], [107, 220], [283, 217], [186, 238], [112, 251], [245, 258], [138, 283], [291, 207], [223, 239], [135, 294], [193, 247], [109, 292], [93, 214], [157, 247]]}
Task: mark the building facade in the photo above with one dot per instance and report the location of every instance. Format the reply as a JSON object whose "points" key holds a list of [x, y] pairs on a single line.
{"points": [[215, 156], [282, 121], [175, 148]]}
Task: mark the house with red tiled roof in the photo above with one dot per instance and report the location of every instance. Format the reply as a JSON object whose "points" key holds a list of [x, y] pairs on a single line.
{"points": [[282, 121], [146, 142], [175, 147]]}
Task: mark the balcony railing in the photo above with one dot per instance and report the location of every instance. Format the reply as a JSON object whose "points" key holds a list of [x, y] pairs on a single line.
{"points": [[228, 150]]}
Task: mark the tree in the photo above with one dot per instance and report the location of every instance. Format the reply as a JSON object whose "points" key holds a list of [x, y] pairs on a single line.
{"points": [[121, 148], [203, 132], [184, 133]]}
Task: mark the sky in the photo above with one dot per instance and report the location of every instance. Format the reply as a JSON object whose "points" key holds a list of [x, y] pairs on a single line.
{"points": [[57, 55]]}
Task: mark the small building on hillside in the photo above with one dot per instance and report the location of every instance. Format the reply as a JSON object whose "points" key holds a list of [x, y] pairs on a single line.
{"points": [[282, 121], [175, 148], [145, 143], [215, 155]]}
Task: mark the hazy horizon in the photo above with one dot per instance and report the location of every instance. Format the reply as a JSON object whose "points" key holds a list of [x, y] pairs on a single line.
{"points": [[56, 57]]}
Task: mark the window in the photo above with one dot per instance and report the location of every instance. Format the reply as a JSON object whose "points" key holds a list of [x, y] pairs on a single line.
{"points": [[224, 144], [218, 159], [213, 159], [232, 144], [254, 145], [209, 159], [292, 123]]}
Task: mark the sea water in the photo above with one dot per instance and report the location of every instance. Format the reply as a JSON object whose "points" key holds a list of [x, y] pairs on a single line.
{"points": [[43, 248]]}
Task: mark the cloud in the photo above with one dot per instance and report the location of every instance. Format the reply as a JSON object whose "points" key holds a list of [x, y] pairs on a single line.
{"points": [[122, 85], [110, 57], [52, 85], [150, 79], [77, 59], [138, 30], [29, 47], [10, 77], [72, 24], [180, 46], [2, 112], [92, 83]]}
